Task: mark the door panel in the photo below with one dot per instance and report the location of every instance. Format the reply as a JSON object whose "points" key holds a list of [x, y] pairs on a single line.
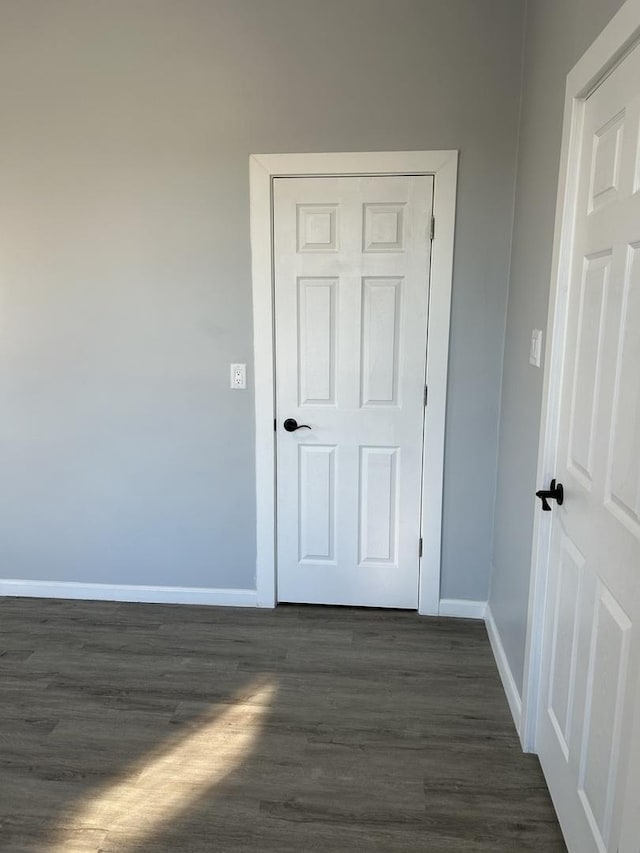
{"points": [[593, 300], [381, 308], [352, 259], [622, 491], [591, 651], [564, 641], [378, 505], [317, 341], [317, 496], [606, 681]]}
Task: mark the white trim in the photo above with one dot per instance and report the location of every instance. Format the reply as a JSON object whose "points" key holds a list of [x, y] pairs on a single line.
{"points": [[612, 44], [125, 592], [262, 169], [462, 608], [506, 675]]}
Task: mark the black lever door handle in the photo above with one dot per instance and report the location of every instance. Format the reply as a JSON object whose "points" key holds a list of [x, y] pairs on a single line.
{"points": [[554, 493], [291, 425]]}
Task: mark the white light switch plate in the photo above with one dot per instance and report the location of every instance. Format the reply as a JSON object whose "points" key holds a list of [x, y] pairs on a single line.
{"points": [[535, 352], [238, 376]]}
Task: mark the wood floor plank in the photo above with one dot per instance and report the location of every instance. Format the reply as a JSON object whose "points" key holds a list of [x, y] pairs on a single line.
{"points": [[132, 728]]}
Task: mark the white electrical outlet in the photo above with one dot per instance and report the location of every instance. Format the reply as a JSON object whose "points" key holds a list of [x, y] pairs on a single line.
{"points": [[535, 352], [238, 376]]}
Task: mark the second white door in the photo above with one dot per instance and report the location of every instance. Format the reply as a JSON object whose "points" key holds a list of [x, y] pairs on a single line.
{"points": [[591, 656], [352, 258]]}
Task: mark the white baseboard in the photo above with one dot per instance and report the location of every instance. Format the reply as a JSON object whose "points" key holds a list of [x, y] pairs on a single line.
{"points": [[508, 681], [462, 608], [125, 592]]}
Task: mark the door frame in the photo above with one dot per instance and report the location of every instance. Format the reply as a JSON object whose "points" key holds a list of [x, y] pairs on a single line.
{"points": [[263, 169], [618, 38]]}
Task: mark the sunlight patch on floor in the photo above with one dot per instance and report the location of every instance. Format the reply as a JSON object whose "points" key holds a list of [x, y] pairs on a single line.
{"points": [[161, 788]]}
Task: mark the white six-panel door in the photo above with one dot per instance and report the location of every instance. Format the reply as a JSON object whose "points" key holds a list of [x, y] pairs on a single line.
{"points": [[352, 259], [591, 637]]}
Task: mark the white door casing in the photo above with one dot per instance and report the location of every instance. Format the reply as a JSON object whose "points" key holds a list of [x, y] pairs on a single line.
{"points": [[352, 258], [264, 169], [591, 631]]}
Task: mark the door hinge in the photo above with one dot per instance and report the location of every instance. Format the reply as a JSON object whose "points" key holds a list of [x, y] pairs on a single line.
{"points": [[420, 547], [432, 228], [426, 395], [274, 425]]}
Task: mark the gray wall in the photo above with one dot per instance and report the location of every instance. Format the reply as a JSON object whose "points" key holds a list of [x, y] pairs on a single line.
{"points": [[125, 273], [557, 34]]}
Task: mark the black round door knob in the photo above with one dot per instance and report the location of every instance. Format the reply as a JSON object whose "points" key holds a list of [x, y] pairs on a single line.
{"points": [[291, 425]]}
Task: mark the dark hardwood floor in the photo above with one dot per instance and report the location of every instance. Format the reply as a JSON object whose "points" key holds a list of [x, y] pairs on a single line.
{"points": [[127, 727]]}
